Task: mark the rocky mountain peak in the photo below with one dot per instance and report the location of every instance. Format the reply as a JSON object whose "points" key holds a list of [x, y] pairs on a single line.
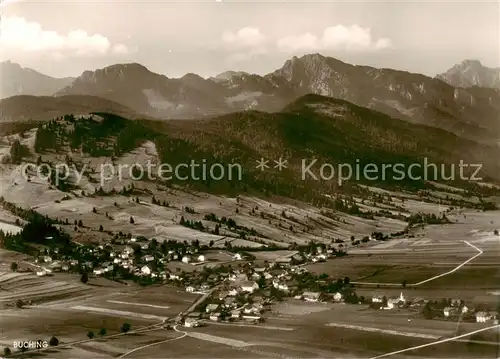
{"points": [[470, 73]]}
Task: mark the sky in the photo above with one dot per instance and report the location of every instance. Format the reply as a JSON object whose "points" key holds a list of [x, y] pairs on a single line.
{"points": [[65, 38]]}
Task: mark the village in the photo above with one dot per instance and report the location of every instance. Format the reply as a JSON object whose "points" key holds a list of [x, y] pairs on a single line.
{"points": [[240, 287]]}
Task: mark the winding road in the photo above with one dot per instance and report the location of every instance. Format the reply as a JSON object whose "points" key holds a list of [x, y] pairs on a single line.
{"points": [[157, 343]]}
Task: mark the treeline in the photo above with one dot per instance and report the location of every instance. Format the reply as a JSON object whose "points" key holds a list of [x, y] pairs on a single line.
{"points": [[427, 218], [39, 230]]}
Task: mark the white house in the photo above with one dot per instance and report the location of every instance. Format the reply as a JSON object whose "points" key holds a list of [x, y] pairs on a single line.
{"points": [[249, 287], [146, 270], [128, 249], [201, 258], [377, 299], [337, 297], [211, 308], [237, 257], [47, 259], [447, 311], [215, 317], [186, 259], [236, 314], [98, 271], [311, 296], [281, 286], [392, 302], [482, 317], [249, 309], [41, 273], [148, 258], [191, 323], [190, 289]]}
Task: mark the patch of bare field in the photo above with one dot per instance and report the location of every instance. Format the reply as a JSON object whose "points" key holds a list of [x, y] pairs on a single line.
{"points": [[386, 267], [9, 228], [8, 217], [151, 304], [190, 348], [27, 286], [298, 308], [176, 299], [68, 326], [118, 313], [274, 255], [7, 257], [312, 340], [467, 348], [218, 256], [388, 326]]}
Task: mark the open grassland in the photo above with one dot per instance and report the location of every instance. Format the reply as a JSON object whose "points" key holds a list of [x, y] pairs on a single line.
{"points": [[29, 287]]}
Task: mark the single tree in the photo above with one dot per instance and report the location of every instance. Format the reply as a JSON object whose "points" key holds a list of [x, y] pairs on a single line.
{"points": [[427, 312], [90, 335], [125, 327], [54, 342], [6, 351], [403, 284], [384, 302], [101, 228], [132, 220], [102, 332], [14, 266], [84, 278], [19, 303], [495, 232]]}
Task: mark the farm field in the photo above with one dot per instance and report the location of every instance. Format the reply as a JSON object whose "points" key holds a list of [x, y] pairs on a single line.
{"points": [[29, 287], [140, 307]]}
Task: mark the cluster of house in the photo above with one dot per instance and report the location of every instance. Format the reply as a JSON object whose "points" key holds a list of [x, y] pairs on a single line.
{"points": [[50, 265], [318, 297], [455, 308], [390, 303], [224, 305], [125, 259]]}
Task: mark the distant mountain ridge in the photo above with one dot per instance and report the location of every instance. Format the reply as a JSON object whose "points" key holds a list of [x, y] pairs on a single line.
{"points": [[45, 108], [17, 80], [467, 112], [471, 73]]}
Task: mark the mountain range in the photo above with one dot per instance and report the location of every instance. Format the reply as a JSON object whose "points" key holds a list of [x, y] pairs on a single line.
{"points": [[471, 73], [445, 102], [17, 80], [330, 130]]}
